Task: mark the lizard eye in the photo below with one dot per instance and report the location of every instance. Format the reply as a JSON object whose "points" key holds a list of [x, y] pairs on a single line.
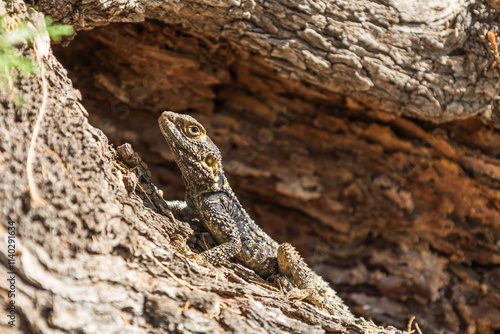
{"points": [[193, 130]]}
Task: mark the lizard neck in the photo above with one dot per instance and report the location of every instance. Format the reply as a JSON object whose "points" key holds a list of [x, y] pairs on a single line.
{"points": [[199, 188]]}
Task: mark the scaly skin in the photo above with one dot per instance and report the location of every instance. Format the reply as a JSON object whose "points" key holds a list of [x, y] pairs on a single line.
{"points": [[210, 198]]}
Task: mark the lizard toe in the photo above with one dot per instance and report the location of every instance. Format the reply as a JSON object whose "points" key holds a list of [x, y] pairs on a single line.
{"points": [[181, 246]]}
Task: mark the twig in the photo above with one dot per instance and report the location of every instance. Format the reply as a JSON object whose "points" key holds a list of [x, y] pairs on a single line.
{"points": [[171, 274], [65, 168], [81, 186], [494, 48], [186, 305], [369, 327], [34, 192], [142, 189], [58, 158], [409, 325], [125, 320], [204, 242], [269, 287], [119, 166], [224, 305]]}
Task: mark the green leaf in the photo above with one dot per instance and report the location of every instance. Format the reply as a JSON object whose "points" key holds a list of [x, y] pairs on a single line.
{"points": [[57, 31]]}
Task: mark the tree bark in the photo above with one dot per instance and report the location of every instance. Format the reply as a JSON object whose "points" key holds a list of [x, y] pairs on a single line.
{"points": [[429, 59], [321, 111]]}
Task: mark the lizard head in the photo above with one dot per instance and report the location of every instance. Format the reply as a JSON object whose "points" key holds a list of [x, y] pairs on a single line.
{"points": [[196, 155]]}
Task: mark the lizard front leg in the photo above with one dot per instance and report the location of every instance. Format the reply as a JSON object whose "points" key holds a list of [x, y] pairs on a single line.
{"points": [[223, 230]]}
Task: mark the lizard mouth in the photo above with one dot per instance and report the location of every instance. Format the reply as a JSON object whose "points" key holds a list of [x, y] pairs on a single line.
{"points": [[167, 126], [169, 116], [166, 121]]}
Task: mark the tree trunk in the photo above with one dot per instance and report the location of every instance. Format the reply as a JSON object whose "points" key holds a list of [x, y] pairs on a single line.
{"points": [[364, 133]]}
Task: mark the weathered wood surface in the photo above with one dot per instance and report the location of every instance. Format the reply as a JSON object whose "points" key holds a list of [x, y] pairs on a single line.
{"points": [[305, 102], [424, 58]]}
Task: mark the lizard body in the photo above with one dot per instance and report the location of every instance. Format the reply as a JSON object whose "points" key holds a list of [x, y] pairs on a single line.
{"points": [[210, 198]]}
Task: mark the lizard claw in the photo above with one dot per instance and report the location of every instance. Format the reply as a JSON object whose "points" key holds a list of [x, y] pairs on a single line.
{"points": [[311, 296], [200, 259], [180, 244], [297, 294]]}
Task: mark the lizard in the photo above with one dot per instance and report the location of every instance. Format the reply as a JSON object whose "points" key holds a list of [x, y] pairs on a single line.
{"points": [[209, 198]]}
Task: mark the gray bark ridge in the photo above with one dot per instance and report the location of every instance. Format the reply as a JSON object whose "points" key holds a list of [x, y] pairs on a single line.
{"points": [[429, 59]]}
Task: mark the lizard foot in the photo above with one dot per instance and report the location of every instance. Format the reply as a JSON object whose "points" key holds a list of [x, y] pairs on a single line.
{"points": [[308, 294], [180, 244], [303, 283], [312, 297]]}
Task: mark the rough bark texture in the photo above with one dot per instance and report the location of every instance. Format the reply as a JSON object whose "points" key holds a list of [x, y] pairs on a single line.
{"points": [[424, 58], [320, 110]]}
